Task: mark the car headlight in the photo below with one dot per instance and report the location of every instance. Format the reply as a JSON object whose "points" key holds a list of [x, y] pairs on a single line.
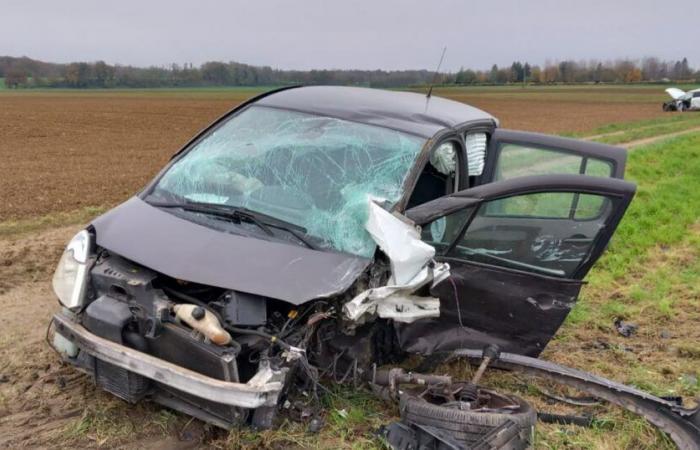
{"points": [[70, 278]]}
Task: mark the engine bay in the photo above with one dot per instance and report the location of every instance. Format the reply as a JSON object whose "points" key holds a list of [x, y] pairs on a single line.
{"points": [[223, 334]]}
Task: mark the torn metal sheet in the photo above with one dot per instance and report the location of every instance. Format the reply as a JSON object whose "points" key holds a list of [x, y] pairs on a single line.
{"points": [[409, 258], [395, 301], [400, 241]]}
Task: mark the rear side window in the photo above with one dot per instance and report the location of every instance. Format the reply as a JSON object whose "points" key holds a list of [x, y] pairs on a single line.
{"points": [[517, 160]]}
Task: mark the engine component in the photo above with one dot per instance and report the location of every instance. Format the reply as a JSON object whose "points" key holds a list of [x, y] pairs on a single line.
{"points": [[203, 321], [241, 309], [489, 353], [107, 317]]}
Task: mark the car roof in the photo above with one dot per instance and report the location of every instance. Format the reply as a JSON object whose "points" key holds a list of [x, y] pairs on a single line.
{"points": [[404, 111]]}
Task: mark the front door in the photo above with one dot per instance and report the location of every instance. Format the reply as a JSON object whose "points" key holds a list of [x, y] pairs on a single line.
{"points": [[518, 251]]}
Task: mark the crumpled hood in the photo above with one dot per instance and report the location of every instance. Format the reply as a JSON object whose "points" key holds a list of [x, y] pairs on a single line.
{"points": [[185, 250]]}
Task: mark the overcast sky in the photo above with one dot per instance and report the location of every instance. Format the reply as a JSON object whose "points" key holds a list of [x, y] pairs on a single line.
{"points": [[364, 34]]}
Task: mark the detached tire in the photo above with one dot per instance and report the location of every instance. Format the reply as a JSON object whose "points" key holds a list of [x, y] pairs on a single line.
{"points": [[485, 430]]}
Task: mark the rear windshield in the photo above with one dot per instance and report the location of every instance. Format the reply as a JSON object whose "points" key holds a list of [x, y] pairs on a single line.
{"points": [[313, 171]]}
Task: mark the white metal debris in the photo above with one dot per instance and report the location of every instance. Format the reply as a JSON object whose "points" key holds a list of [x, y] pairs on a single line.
{"points": [[412, 267]]}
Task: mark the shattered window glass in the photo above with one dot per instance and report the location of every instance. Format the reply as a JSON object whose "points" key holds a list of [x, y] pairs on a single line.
{"points": [[313, 171]]}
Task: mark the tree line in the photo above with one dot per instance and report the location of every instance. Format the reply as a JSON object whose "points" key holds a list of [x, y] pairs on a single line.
{"points": [[649, 69], [27, 73]]}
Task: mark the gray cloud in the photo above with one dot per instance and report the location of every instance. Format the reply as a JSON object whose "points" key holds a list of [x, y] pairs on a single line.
{"points": [[365, 34]]}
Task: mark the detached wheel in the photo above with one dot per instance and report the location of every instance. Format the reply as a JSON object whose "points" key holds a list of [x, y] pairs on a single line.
{"points": [[495, 421]]}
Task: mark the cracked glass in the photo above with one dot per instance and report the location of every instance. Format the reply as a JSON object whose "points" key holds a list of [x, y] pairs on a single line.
{"points": [[312, 171]]}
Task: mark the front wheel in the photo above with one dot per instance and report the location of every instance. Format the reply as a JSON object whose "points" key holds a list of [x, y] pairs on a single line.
{"points": [[499, 421]]}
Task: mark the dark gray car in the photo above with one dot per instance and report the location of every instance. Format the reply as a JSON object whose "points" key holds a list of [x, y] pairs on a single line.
{"points": [[322, 230]]}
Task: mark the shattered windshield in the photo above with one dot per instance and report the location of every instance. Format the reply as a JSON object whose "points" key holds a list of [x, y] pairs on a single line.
{"points": [[312, 171]]}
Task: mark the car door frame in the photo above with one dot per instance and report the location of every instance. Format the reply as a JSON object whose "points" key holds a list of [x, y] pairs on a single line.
{"points": [[610, 187], [518, 309], [616, 156], [455, 134]]}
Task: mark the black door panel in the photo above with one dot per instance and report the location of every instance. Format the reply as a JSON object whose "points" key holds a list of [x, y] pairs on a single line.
{"points": [[518, 251], [481, 305]]}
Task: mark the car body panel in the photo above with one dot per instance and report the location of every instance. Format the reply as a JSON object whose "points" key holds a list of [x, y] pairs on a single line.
{"points": [[513, 305], [409, 112], [188, 251]]}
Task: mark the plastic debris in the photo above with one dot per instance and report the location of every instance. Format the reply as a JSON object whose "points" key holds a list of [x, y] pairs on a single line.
{"points": [[626, 329]]}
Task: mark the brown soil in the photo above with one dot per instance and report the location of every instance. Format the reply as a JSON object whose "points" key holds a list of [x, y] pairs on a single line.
{"points": [[62, 152], [44, 402], [555, 116]]}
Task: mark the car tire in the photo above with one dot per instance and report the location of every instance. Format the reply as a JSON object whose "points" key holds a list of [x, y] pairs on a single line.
{"points": [[471, 427]]}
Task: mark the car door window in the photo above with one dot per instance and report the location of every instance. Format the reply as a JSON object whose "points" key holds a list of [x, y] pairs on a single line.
{"points": [[439, 177], [442, 232], [546, 233], [512, 154], [516, 160]]}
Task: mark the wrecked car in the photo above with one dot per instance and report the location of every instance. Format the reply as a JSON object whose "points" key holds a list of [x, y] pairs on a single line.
{"points": [[682, 100], [328, 231]]}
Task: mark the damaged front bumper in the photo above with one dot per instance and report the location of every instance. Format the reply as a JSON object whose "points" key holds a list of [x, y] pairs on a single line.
{"points": [[262, 390]]}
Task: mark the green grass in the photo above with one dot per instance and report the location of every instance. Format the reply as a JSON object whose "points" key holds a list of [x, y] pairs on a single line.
{"points": [[651, 131], [667, 202], [35, 224], [621, 127], [237, 92]]}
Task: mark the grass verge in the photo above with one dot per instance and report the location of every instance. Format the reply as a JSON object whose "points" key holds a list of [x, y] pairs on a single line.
{"points": [[16, 228], [651, 124]]}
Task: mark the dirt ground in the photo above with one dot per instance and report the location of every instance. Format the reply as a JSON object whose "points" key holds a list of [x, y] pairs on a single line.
{"points": [[44, 404], [65, 151]]}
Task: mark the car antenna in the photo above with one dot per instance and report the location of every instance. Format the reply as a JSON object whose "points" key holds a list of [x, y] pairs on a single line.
{"points": [[430, 90]]}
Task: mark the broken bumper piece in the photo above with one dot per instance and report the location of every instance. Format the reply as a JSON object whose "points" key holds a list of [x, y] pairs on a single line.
{"points": [[681, 424], [261, 390]]}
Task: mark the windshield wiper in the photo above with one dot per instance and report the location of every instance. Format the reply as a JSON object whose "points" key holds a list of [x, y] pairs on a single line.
{"points": [[263, 221], [226, 212], [294, 233]]}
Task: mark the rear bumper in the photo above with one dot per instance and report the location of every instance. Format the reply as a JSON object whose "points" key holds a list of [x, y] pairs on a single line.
{"points": [[261, 390]]}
